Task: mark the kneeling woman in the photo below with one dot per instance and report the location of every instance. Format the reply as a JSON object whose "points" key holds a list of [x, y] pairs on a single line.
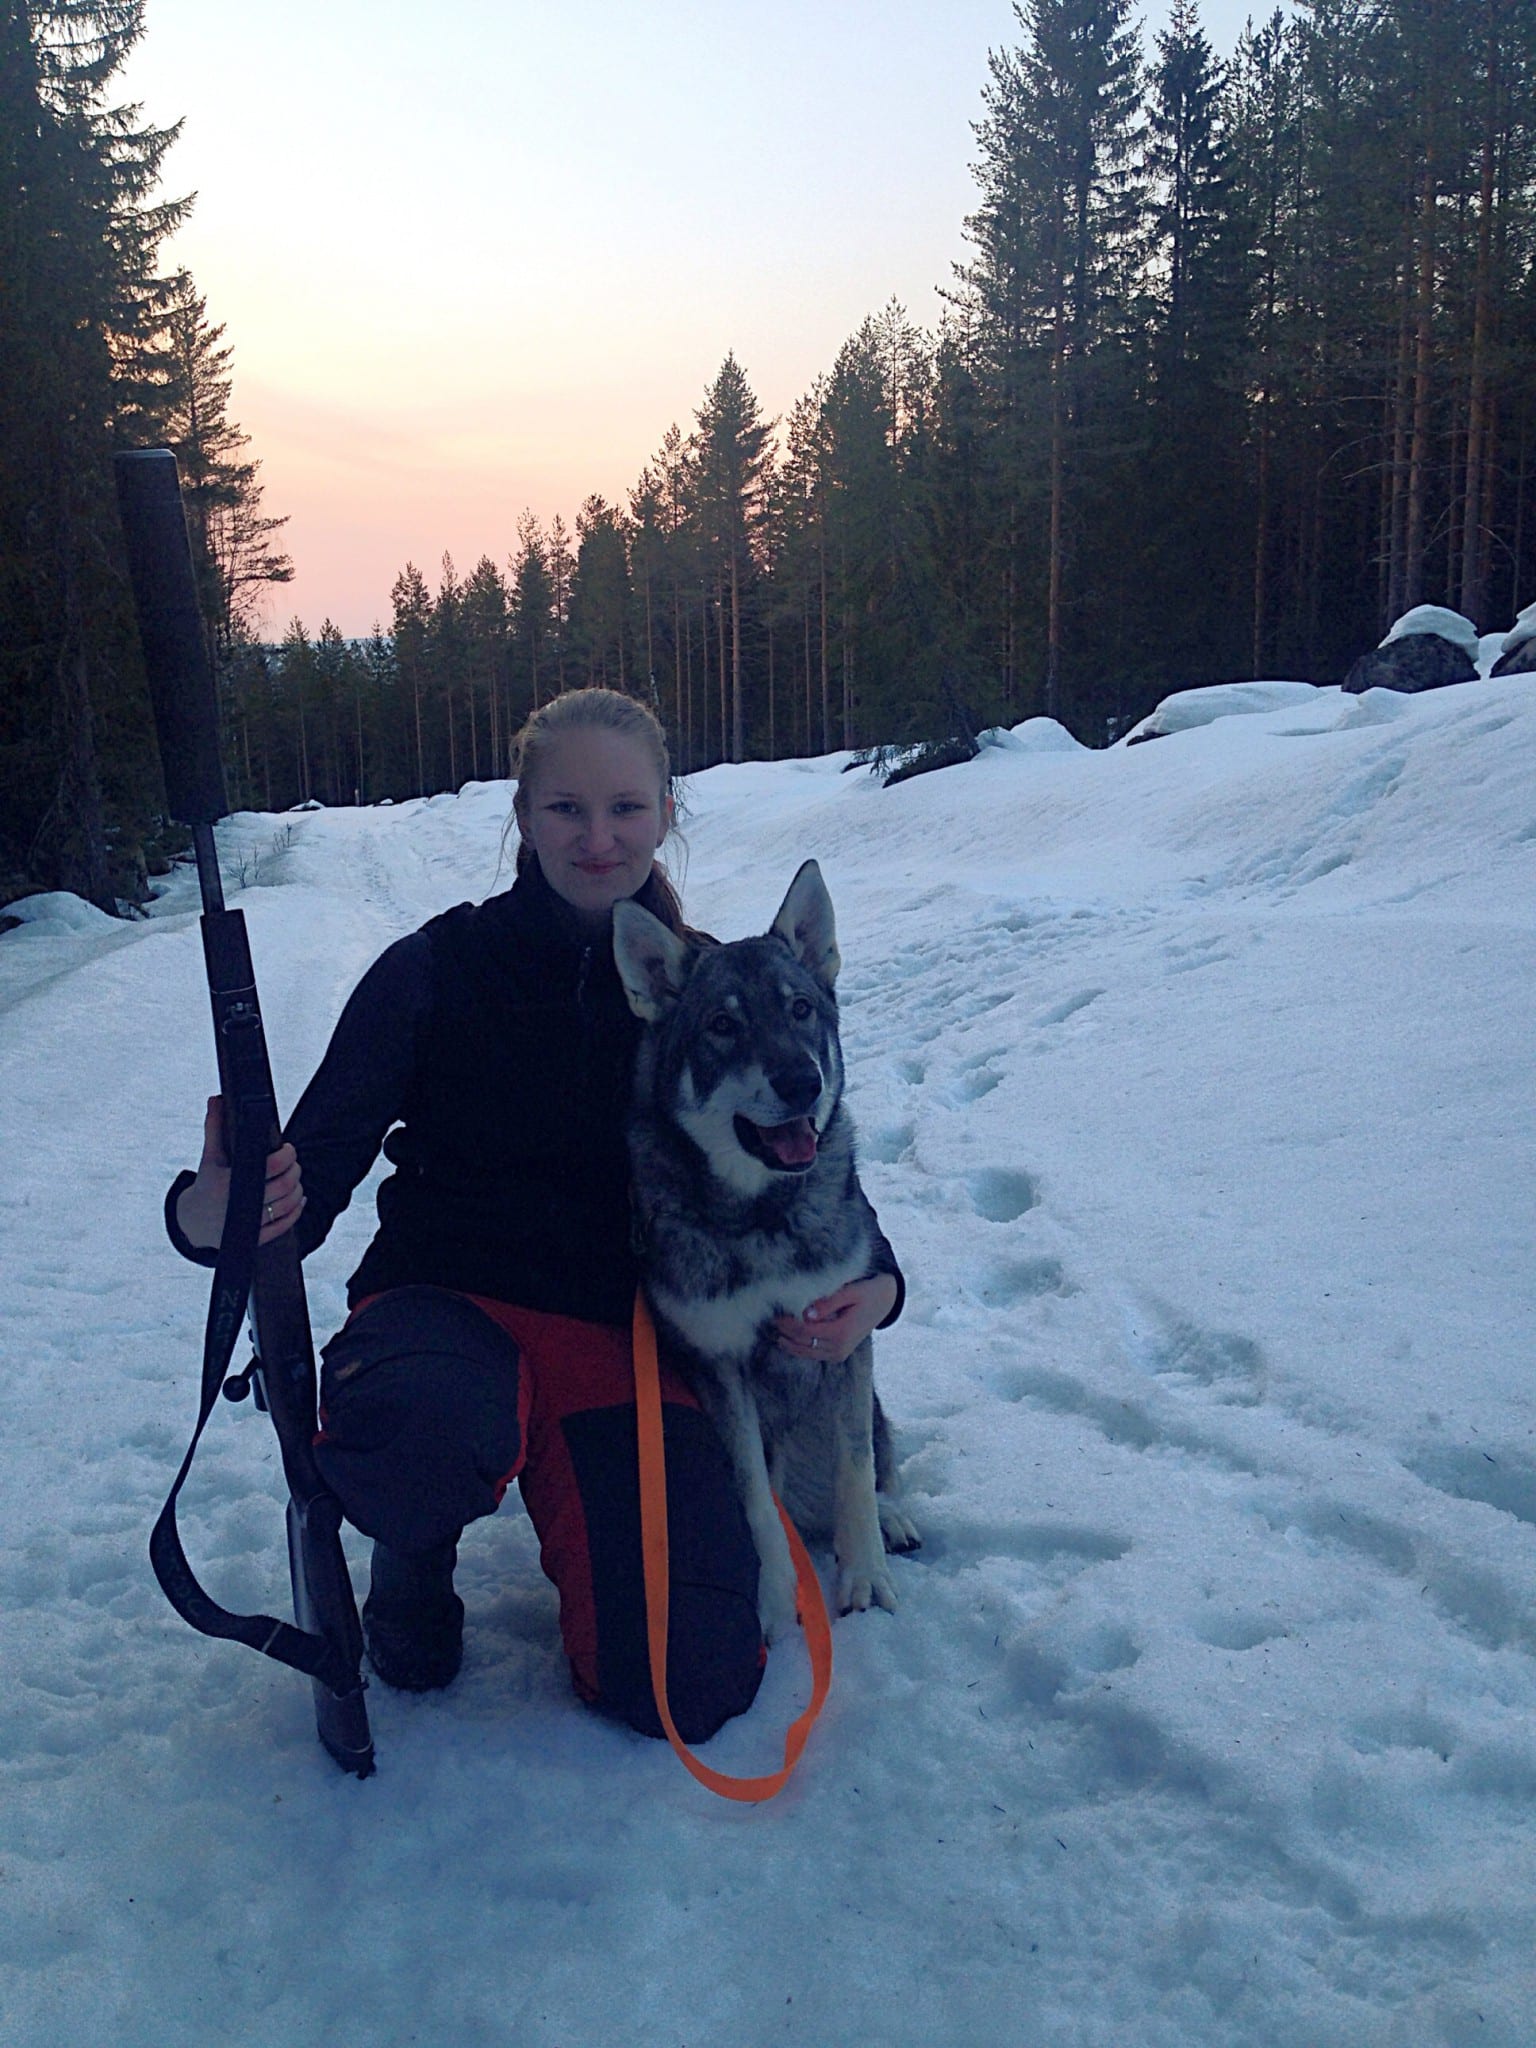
{"points": [[490, 1055]]}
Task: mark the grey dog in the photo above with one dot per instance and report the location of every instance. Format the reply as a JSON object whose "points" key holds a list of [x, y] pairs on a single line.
{"points": [[748, 1206]]}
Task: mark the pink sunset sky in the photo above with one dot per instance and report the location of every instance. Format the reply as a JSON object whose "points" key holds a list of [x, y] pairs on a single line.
{"points": [[475, 258]]}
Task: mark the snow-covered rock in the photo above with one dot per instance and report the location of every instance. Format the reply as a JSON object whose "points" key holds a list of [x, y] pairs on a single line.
{"points": [[56, 910], [1032, 736], [1517, 652], [1439, 619], [1415, 659], [1187, 709]]}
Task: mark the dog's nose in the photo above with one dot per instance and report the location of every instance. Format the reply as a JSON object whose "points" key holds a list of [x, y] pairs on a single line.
{"points": [[797, 1086]]}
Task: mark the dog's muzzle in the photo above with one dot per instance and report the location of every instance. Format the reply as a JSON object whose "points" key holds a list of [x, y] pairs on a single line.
{"points": [[786, 1148]]}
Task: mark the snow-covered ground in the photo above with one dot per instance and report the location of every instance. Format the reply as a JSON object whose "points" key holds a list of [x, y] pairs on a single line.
{"points": [[1195, 1089]]}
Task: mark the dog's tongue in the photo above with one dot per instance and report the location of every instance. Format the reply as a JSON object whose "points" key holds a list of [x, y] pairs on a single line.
{"points": [[792, 1144]]}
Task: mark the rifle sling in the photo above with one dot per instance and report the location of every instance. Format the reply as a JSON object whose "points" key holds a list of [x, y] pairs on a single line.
{"points": [[232, 1274]]}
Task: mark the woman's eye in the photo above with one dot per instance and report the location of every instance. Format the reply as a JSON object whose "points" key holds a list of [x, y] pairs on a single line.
{"points": [[722, 1024], [800, 1009]]}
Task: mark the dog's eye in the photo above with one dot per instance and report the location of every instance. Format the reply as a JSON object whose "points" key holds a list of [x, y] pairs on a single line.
{"points": [[800, 1009], [722, 1024]]}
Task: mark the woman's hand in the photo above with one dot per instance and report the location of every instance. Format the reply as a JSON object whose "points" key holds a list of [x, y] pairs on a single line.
{"points": [[834, 1327], [200, 1208]]}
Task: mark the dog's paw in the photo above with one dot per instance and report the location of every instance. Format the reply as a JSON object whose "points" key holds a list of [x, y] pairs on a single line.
{"points": [[899, 1531], [862, 1586]]}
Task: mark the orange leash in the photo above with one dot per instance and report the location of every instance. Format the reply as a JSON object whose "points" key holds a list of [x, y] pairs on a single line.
{"points": [[653, 1540]]}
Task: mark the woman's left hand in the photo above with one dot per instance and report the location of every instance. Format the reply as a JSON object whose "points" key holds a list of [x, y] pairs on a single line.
{"points": [[834, 1327]]}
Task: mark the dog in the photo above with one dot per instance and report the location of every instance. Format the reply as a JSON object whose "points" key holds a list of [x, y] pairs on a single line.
{"points": [[748, 1206]]}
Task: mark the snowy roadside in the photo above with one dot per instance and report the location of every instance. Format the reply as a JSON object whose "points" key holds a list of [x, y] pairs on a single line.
{"points": [[1193, 1083]]}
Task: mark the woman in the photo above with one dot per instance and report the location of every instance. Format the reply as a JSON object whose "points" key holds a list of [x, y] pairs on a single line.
{"points": [[490, 1054]]}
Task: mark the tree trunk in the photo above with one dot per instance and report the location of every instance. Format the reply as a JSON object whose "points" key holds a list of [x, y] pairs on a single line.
{"points": [[82, 831], [1058, 479], [1423, 365], [1474, 544], [738, 722], [826, 676], [1397, 575]]}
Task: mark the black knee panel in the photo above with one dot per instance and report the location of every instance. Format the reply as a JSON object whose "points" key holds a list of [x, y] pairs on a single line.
{"points": [[420, 1398], [714, 1640]]}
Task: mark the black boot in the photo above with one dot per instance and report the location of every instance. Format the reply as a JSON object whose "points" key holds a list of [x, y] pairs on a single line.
{"points": [[413, 1621]]}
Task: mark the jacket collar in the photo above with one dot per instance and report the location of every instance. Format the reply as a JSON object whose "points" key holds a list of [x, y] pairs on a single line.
{"points": [[539, 914]]}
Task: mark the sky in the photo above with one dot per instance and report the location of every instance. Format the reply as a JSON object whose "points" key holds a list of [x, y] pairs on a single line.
{"points": [[478, 258]]}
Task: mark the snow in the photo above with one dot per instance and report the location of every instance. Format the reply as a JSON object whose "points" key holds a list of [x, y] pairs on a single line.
{"points": [[1436, 618], [57, 911], [1522, 630], [1186, 709], [1032, 736], [1194, 1090]]}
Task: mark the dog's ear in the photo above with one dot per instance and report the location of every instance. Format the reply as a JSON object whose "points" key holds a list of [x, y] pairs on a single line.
{"points": [[806, 922], [652, 962]]}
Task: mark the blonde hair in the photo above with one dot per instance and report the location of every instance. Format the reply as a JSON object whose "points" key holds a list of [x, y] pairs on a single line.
{"points": [[596, 711]]}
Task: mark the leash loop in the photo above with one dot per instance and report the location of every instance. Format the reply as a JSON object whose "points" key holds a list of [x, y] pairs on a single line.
{"points": [[654, 1548]]}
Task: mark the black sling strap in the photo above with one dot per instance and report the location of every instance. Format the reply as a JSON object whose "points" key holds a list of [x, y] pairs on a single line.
{"points": [[296, 1647]]}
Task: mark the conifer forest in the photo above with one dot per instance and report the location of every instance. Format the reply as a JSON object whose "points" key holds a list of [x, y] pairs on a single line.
{"points": [[1239, 364]]}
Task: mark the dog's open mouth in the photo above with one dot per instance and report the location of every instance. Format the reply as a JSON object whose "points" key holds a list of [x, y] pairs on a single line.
{"points": [[787, 1148]]}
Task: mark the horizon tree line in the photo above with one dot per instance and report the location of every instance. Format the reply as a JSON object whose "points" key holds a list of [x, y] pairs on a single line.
{"points": [[1240, 365]]}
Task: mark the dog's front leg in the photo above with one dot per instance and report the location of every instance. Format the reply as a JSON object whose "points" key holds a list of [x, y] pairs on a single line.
{"points": [[733, 1411], [863, 1575]]}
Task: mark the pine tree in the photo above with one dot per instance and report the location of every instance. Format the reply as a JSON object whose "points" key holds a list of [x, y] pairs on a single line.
{"points": [[731, 445], [487, 635], [600, 597], [1049, 294], [78, 237], [1196, 504], [232, 543], [412, 604], [533, 610], [560, 565]]}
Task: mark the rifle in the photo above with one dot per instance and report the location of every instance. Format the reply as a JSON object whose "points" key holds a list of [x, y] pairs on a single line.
{"points": [[325, 1640]]}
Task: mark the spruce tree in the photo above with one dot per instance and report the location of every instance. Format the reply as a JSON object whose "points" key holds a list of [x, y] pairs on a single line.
{"points": [[731, 446], [79, 230], [533, 616]]}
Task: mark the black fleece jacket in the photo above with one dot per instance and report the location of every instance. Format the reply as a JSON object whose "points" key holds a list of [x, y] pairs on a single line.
{"points": [[490, 1053]]}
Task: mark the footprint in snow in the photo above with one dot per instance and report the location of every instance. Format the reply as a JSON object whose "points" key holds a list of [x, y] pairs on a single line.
{"points": [[1002, 1194], [1058, 1013], [1497, 1477], [972, 1083], [1006, 1283]]}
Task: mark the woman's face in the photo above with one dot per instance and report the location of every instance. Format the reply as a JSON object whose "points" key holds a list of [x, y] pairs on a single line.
{"points": [[595, 815]]}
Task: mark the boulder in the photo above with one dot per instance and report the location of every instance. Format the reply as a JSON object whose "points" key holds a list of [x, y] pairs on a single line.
{"points": [[1517, 654], [1412, 662]]}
